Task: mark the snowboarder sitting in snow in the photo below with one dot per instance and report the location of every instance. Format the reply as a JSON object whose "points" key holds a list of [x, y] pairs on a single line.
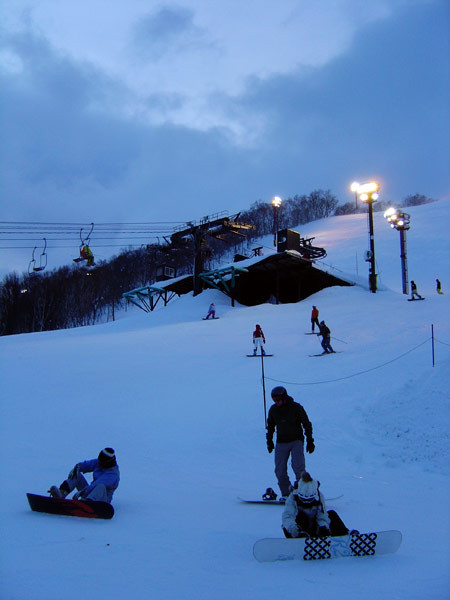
{"points": [[258, 340], [105, 482], [414, 291], [305, 512], [211, 311], [290, 420], [314, 317], [326, 336]]}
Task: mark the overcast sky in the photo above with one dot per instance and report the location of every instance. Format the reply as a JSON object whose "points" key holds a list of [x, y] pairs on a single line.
{"points": [[152, 111]]}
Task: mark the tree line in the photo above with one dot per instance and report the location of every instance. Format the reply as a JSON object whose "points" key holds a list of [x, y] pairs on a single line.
{"points": [[72, 296]]}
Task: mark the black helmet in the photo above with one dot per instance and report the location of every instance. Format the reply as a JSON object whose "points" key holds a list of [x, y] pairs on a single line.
{"points": [[278, 391]]}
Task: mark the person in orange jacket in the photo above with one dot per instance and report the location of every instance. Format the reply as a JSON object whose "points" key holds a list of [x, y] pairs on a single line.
{"points": [[314, 317]]}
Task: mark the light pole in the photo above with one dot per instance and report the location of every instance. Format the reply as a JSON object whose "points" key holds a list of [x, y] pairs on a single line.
{"points": [[368, 192], [276, 203], [400, 221], [354, 188]]}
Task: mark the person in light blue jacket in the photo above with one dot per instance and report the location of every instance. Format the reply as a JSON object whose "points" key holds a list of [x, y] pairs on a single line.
{"points": [[106, 477]]}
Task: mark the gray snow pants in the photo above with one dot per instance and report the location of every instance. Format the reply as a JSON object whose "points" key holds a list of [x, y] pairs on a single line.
{"points": [[282, 453], [98, 493]]}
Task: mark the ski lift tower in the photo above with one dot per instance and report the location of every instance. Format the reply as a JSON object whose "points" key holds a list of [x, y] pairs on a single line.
{"points": [[218, 226]]}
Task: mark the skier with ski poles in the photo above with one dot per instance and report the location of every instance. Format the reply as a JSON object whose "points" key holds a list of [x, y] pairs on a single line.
{"points": [[325, 332]]}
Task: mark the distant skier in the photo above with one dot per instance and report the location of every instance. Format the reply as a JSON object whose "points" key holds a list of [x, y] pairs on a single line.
{"points": [[258, 340], [305, 513], [438, 287], [326, 337], [414, 291], [314, 317], [211, 311], [105, 479], [292, 425]]}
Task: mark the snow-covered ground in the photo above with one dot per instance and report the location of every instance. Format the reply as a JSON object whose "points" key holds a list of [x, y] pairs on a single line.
{"points": [[183, 407]]}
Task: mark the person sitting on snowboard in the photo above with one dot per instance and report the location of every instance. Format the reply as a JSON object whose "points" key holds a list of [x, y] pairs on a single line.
{"points": [[305, 513], [106, 477], [326, 337], [258, 340]]}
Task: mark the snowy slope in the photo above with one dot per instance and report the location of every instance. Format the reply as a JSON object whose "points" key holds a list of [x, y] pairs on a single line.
{"points": [[183, 407]]}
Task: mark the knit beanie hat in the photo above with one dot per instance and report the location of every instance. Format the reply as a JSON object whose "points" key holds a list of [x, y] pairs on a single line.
{"points": [[107, 458]]}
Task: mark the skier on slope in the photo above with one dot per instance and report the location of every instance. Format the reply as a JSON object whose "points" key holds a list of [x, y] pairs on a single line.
{"points": [[314, 317], [258, 340], [305, 513], [106, 477], [292, 425], [326, 336]]}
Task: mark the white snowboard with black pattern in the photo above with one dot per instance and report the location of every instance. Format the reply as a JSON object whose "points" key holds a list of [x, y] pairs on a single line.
{"points": [[317, 548]]}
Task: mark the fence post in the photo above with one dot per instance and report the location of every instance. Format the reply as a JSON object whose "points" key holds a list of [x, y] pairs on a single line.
{"points": [[432, 343]]}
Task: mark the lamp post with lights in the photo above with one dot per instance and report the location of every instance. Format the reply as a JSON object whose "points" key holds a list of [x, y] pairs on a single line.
{"points": [[276, 203], [368, 192], [354, 188], [400, 221]]}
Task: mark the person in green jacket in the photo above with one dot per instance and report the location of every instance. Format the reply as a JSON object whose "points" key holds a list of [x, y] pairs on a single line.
{"points": [[292, 425]]}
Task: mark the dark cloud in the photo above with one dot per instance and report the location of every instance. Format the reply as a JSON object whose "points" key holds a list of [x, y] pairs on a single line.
{"points": [[380, 109], [169, 29]]}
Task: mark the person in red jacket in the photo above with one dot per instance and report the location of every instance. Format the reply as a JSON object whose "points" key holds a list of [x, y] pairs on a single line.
{"points": [[314, 317], [258, 340]]}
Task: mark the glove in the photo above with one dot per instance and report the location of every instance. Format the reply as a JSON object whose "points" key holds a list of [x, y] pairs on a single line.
{"points": [[310, 447], [323, 531], [270, 446], [79, 495], [294, 531], [74, 472]]}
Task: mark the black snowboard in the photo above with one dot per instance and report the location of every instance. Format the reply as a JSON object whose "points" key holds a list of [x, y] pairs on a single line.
{"points": [[414, 299], [210, 319], [326, 353], [256, 355], [71, 508]]}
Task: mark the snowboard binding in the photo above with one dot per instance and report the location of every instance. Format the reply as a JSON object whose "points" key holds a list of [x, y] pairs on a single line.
{"points": [[269, 495]]}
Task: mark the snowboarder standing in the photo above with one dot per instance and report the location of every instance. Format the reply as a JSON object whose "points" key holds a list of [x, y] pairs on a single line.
{"points": [[106, 477], [258, 340], [314, 317], [438, 287], [211, 311], [325, 332], [305, 513], [292, 425], [414, 291]]}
